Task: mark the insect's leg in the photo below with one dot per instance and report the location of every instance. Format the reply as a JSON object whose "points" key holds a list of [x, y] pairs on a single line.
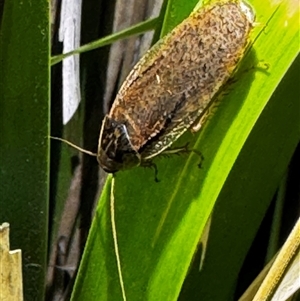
{"points": [[172, 151], [182, 150], [176, 150], [198, 123], [150, 164]]}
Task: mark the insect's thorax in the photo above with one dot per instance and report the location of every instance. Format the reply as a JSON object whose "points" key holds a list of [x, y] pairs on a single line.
{"points": [[115, 151]]}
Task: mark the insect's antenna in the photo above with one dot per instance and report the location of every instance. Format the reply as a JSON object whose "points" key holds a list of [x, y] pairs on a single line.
{"points": [[75, 146], [115, 239]]}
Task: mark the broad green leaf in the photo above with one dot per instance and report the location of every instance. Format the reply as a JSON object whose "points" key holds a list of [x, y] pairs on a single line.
{"points": [[246, 145], [24, 127]]}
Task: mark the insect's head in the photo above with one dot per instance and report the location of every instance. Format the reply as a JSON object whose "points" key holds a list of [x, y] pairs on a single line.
{"points": [[115, 151]]}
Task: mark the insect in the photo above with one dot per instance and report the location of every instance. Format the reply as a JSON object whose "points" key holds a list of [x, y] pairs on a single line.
{"points": [[171, 89], [173, 85]]}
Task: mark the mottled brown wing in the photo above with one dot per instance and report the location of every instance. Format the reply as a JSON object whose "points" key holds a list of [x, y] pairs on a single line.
{"points": [[175, 82]]}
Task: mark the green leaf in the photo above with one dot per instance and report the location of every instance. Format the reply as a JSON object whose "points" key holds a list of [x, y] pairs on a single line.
{"points": [[176, 11], [246, 145], [133, 30], [24, 127]]}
